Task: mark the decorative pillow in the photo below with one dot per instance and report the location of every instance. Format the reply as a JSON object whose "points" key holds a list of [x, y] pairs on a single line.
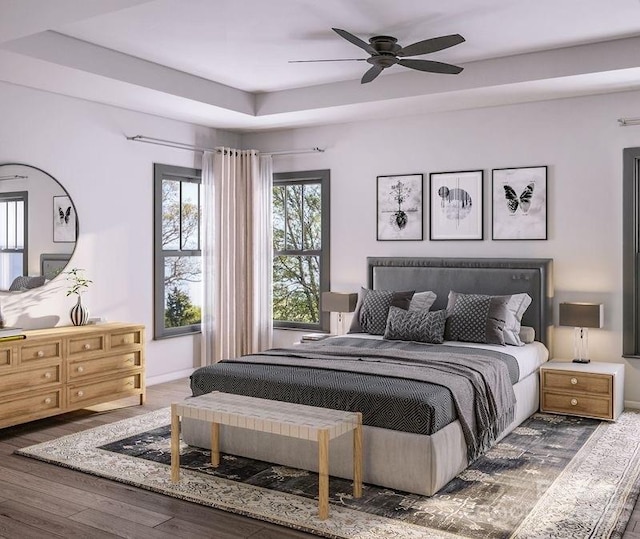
{"points": [[19, 283], [527, 334], [422, 301], [372, 309], [516, 306], [35, 282], [420, 326], [476, 318]]}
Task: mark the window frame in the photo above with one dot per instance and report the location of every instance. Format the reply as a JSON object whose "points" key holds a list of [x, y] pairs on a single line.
{"points": [[24, 197], [630, 253], [182, 174], [302, 178]]}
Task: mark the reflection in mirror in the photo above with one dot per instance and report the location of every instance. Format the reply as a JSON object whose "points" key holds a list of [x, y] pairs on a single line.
{"points": [[38, 227]]}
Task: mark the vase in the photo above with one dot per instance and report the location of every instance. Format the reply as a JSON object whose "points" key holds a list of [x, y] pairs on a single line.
{"points": [[79, 313]]}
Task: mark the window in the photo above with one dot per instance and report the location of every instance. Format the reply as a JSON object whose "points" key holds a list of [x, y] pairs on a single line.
{"points": [[13, 237], [301, 249], [177, 249], [631, 253]]}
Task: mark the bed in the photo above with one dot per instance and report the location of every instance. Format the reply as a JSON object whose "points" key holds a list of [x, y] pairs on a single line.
{"points": [[402, 459]]}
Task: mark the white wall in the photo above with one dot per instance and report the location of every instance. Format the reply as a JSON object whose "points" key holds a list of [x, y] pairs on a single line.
{"points": [[578, 139], [110, 180]]}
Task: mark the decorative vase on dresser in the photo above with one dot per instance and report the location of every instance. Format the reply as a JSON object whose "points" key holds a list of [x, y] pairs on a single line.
{"points": [[79, 313]]}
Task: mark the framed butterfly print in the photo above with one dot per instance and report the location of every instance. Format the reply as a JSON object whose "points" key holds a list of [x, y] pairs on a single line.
{"points": [[64, 220], [519, 203], [456, 205]]}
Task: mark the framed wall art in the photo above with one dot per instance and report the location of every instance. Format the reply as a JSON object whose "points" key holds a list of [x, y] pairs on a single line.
{"points": [[399, 207], [64, 220], [519, 203], [456, 205]]}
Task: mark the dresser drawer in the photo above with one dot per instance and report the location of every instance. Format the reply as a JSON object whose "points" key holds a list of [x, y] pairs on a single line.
{"points": [[125, 339], [584, 405], [86, 345], [6, 357], [40, 351], [591, 383], [29, 407], [32, 378], [114, 389], [78, 369]]}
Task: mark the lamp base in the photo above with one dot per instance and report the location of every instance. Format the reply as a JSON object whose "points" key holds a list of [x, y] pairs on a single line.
{"points": [[581, 360]]}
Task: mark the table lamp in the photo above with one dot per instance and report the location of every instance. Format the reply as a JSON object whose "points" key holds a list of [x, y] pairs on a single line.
{"points": [[336, 302], [581, 316]]}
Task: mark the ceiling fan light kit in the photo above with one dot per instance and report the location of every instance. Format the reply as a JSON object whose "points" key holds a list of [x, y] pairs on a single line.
{"points": [[385, 52]]}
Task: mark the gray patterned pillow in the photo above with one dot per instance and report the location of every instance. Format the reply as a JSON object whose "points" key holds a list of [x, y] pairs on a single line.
{"points": [[420, 326], [476, 318], [373, 308]]}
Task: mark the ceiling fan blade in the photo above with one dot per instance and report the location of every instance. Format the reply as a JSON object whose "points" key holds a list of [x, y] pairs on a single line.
{"points": [[356, 41], [371, 74], [332, 60], [431, 66], [431, 45]]}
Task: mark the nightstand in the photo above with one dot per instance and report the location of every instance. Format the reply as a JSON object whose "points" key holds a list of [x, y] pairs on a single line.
{"points": [[583, 389]]}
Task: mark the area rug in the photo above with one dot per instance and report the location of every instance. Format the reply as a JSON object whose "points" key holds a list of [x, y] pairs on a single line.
{"points": [[554, 476]]}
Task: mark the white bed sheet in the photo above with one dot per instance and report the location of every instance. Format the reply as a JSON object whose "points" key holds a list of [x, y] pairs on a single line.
{"points": [[529, 357]]}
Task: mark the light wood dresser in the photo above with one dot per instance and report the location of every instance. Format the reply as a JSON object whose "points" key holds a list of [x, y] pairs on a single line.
{"points": [[67, 368], [584, 389]]}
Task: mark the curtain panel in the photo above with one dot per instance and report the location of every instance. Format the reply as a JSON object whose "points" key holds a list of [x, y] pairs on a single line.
{"points": [[237, 254]]}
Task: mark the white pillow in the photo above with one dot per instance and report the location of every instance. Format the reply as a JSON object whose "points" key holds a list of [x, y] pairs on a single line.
{"points": [[527, 334], [516, 306]]}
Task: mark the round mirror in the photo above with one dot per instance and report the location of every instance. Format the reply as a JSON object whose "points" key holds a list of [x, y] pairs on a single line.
{"points": [[38, 227]]}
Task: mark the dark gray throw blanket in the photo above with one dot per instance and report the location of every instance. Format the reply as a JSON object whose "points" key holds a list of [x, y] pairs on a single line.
{"points": [[479, 381]]}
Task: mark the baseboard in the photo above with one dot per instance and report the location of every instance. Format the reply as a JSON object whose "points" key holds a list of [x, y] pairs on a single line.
{"points": [[169, 377], [633, 405]]}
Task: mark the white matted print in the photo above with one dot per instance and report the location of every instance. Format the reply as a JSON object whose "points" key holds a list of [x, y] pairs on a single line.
{"points": [[399, 207], [520, 203], [64, 220], [456, 205]]}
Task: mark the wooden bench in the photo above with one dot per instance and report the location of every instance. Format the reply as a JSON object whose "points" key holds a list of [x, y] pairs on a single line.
{"points": [[283, 418]]}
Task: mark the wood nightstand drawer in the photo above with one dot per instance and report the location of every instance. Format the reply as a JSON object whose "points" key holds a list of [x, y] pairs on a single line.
{"points": [[593, 384], [103, 365], [576, 404]]}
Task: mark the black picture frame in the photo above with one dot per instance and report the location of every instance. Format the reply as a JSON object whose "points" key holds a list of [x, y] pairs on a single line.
{"points": [[400, 207], [456, 207], [519, 203]]}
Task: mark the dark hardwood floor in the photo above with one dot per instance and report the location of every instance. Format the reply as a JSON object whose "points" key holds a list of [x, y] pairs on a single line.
{"points": [[41, 501]]}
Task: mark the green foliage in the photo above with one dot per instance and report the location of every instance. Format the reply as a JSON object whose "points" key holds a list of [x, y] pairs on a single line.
{"points": [[78, 281], [179, 310], [296, 273]]}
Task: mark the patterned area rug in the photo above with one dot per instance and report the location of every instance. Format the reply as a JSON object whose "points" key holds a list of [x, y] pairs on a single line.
{"points": [[554, 476]]}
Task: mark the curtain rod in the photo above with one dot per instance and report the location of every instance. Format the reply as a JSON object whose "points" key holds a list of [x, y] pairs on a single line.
{"points": [[192, 148], [624, 122]]}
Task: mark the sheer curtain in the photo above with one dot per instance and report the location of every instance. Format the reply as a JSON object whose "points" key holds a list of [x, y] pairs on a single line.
{"points": [[237, 254]]}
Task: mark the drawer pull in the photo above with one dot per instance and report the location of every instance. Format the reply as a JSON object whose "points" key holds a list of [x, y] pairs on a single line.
{"points": [[47, 375], [47, 400], [130, 361], [123, 341], [40, 353], [80, 393], [80, 369], [574, 402], [574, 381], [87, 346]]}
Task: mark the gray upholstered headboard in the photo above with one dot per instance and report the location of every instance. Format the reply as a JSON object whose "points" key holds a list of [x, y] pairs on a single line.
{"points": [[494, 276]]}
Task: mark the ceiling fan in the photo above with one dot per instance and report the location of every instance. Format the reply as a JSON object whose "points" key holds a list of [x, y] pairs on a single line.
{"points": [[384, 52]]}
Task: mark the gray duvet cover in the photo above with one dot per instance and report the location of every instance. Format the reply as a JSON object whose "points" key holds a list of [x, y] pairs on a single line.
{"points": [[397, 385]]}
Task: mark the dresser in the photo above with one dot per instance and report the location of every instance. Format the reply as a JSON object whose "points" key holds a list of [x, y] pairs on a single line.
{"points": [[61, 369], [584, 389]]}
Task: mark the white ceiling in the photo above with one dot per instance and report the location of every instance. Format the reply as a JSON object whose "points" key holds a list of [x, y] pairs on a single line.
{"points": [[225, 63]]}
